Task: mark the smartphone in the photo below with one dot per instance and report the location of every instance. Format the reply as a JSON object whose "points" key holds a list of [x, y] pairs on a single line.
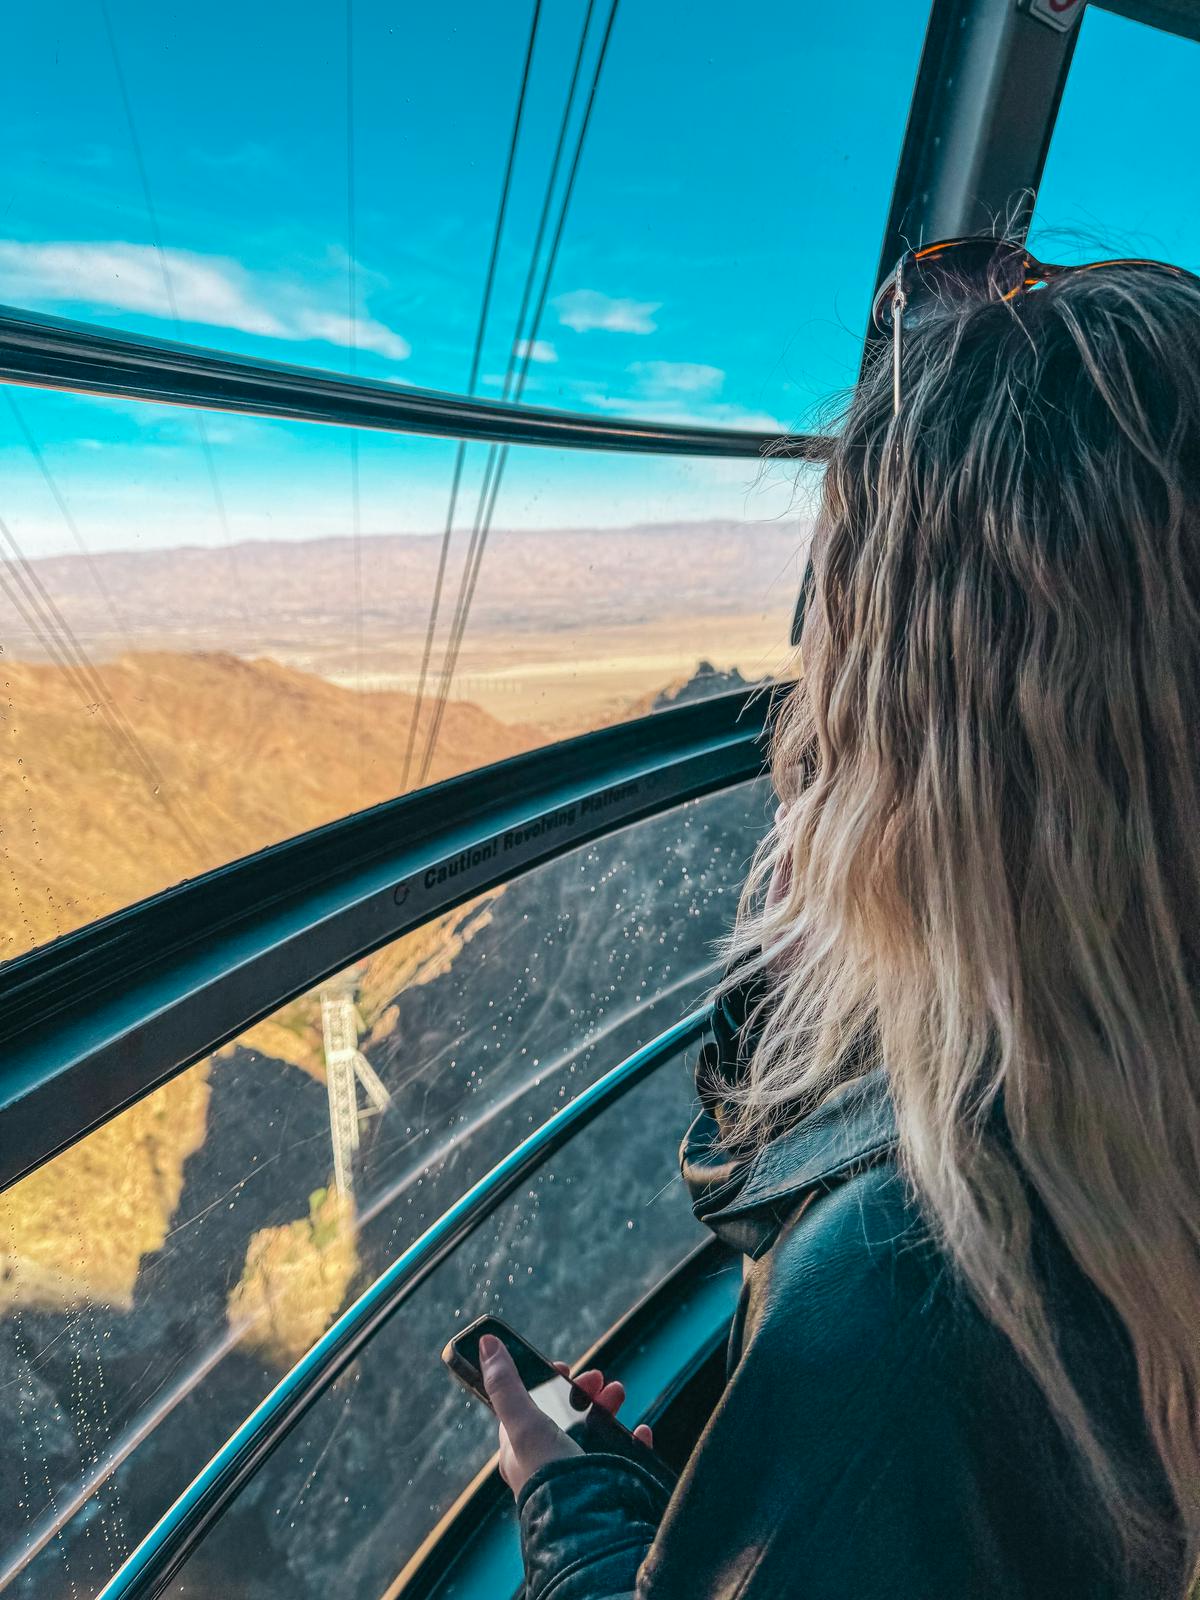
{"points": [[591, 1426]]}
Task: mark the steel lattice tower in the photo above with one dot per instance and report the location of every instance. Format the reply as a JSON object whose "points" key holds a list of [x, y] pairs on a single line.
{"points": [[345, 1069]]}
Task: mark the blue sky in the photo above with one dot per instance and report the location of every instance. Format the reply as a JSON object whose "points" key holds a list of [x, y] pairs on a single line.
{"points": [[716, 265]]}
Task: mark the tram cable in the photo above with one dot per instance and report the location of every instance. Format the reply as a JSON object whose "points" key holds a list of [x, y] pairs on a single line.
{"points": [[352, 319], [473, 379], [535, 256], [120, 625], [46, 622], [498, 455], [172, 305], [37, 608]]}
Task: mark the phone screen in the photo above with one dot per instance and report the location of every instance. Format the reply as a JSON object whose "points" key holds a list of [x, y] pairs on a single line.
{"points": [[591, 1426], [557, 1396]]}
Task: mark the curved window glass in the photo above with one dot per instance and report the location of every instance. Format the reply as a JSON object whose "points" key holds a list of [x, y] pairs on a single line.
{"points": [[340, 209], [157, 1278], [202, 657], [369, 1472], [1118, 174]]}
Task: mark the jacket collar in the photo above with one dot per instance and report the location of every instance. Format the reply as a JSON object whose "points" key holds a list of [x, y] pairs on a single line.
{"points": [[746, 1201]]}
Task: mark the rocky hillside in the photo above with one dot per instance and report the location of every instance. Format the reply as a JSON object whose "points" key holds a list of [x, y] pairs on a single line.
{"points": [[183, 762]]}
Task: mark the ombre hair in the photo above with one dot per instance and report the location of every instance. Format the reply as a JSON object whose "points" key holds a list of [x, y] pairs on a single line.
{"points": [[991, 764]]}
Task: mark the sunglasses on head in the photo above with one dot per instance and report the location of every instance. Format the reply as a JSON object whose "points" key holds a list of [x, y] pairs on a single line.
{"points": [[954, 271]]}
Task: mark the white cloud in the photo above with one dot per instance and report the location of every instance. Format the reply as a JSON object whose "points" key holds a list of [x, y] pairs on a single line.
{"points": [[364, 333], [130, 278], [536, 349], [584, 309], [722, 415], [677, 377], [206, 289]]}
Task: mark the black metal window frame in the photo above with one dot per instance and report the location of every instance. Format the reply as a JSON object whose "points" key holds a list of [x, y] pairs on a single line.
{"points": [[988, 89], [97, 1019], [989, 85]]}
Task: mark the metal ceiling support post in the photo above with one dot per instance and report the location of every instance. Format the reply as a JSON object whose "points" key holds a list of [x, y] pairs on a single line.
{"points": [[983, 108], [987, 94]]}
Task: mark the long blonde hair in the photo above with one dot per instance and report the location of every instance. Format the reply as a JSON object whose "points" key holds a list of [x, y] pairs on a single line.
{"points": [[992, 770]]}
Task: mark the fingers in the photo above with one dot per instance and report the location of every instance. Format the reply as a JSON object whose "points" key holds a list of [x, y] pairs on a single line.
{"points": [[609, 1395], [509, 1398], [612, 1396]]}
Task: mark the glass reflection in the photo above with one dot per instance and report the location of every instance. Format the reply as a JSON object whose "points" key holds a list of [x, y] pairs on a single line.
{"points": [[383, 1455], [156, 1279]]}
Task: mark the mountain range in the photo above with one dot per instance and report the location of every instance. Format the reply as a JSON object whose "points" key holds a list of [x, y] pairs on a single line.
{"points": [[268, 596]]}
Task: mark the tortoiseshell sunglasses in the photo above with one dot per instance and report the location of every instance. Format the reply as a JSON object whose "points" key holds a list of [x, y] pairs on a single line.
{"points": [[955, 270]]}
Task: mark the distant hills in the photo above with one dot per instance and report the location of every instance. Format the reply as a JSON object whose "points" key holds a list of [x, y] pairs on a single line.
{"points": [[245, 753], [277, 597]]}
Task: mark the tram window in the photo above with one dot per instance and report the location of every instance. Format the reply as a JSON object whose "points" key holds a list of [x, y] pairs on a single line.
{"points": [[157, 1278], [354, 1490], [1118, 176], [201, 658], [716, 255]]}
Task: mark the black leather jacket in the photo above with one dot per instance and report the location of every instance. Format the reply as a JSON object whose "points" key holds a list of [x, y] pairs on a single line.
{"points": [[877, 1437]]}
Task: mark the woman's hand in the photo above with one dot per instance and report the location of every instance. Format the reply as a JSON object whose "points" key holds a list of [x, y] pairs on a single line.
{"points": [[528, 1437]]}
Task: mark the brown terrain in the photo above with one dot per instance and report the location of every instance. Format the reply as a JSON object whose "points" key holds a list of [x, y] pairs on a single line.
{"points": [[168, 711], [261, 596], [194, 760]]}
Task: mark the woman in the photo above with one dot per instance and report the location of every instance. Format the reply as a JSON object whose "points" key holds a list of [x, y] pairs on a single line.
{"points": [[952, 1113]]}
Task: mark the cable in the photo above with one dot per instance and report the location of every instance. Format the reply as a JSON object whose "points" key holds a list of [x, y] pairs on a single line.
{"points": [[530, 276], [352, 318], [118, 621], [549, 195], [481, 328], [172, 305], [455, 643], [41, 615], [83, 671]]}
